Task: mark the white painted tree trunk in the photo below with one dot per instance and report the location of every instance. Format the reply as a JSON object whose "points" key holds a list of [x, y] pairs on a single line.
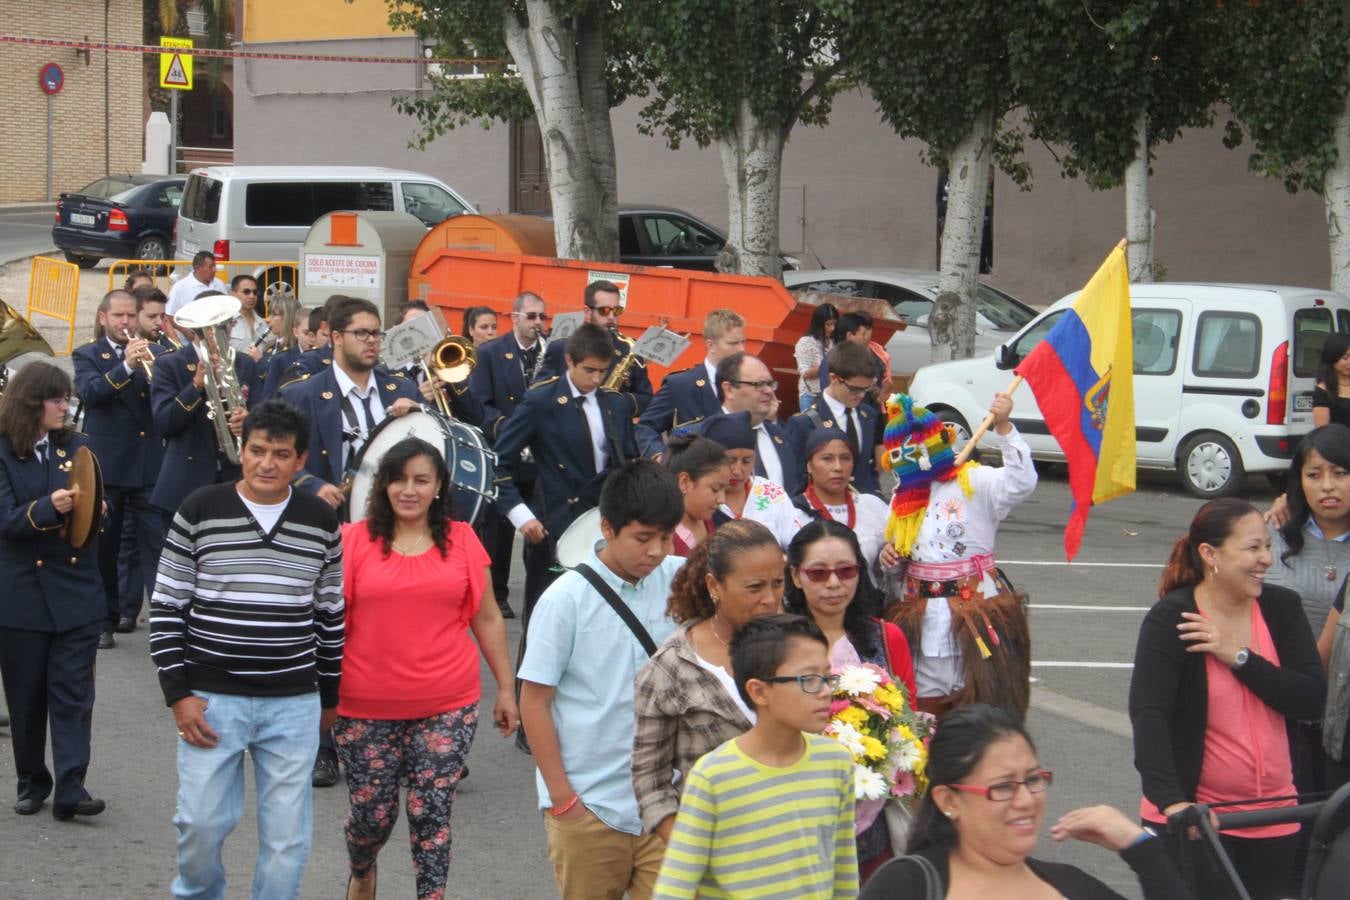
{"points": [[553, 59], [594, 86], [1138, 211], [951, 325], [752, 164], [1336, 196]]}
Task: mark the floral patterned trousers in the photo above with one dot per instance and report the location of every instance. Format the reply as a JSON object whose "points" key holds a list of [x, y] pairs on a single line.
{"points": [[426, 754]]}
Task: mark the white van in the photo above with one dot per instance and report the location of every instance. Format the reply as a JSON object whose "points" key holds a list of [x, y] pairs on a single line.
{"points": [[264, 212], [1223, 378]]}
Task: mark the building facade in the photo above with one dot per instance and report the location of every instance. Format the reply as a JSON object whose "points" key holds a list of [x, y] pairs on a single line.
{"points": [[854, 194]]}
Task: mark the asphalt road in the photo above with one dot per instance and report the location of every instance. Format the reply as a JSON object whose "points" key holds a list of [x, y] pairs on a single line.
{"points": [[1084, 619], [24, 231]]}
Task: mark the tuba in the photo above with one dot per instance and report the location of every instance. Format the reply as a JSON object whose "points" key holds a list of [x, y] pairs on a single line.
{"points": [[452, 361], [209, 319], [17, 337]]}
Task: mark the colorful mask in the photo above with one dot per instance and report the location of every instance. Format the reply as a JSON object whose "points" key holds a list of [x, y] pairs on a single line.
{"points": [[919, 452]]}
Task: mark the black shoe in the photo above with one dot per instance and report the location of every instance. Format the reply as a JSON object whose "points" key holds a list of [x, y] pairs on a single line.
{"points": [[106, 641], [325, 769], [86, 807], [506, 611], [126, 625], [28, 806]]}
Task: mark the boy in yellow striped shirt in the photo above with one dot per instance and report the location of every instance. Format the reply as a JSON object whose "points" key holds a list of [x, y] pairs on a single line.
{"points": [[770, 814]]}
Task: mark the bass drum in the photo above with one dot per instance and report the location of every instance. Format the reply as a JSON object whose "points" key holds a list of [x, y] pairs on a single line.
{"points": [[579, 539], [472, 466]]}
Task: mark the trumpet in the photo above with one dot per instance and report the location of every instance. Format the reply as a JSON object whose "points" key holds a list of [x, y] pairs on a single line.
{"points": [[208, 318], [451, 361], [168, 336], [147, 364]]}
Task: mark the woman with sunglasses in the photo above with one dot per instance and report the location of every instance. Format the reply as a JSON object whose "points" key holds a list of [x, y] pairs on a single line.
{"points": [[748, 495], [686, 700], [53, 605], [828, 587], [702, 468], [979, 824], [830, 496]]}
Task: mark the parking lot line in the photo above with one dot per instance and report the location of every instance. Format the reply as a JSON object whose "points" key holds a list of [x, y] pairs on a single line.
{"points": [[1109, 720], [1087, 606]]}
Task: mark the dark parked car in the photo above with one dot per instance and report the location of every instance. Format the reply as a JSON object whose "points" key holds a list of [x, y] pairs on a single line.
{"points": [[120, 216], [662, 236]]}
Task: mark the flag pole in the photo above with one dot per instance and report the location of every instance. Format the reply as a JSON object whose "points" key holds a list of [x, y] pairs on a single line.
{"points": [[988, 423]]}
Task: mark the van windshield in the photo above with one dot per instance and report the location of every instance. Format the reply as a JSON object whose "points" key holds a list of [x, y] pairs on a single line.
{"points": [[300, 203], [201, 199]]}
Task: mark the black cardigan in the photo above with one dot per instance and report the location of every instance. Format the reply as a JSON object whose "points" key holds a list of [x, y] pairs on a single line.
{"points": [[1169, 691], [1148, 859]]}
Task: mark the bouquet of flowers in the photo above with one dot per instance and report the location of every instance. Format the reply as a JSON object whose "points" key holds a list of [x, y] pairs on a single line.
{"points": [[887, 738]]}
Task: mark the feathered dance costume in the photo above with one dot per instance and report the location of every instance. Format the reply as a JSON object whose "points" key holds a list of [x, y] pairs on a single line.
{"points": [[989, 623]]}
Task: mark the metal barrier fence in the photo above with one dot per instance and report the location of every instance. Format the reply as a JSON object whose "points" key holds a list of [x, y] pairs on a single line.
{"points": [[275, 277], [53, 290]]}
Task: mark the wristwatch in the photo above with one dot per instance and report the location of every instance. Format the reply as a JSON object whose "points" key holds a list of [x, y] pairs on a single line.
{"points": [[1240, 658]]}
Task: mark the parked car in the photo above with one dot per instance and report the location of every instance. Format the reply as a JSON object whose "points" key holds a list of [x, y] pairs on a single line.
{"points": [[911, 293], [1223, 378], [264, 212], [119, 216]]}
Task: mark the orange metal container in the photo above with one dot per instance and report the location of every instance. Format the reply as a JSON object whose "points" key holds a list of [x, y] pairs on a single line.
{"points": [[496, 233]]}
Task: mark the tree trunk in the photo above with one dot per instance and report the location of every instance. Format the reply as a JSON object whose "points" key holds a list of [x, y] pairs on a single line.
{"points": [[594, 87], [951, 325], [752, 164], [1138, 212], [546, 53], [1336, 196]]}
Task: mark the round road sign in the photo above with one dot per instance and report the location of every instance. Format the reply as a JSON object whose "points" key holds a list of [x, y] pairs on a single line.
{"points": [[51, 78]]}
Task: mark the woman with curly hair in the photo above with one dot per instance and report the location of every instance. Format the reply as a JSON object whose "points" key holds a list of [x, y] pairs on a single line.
{"points": [[686, 700], [415, 584]]}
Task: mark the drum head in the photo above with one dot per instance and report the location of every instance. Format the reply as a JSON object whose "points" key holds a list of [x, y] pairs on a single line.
{"points": [[84, 517], [579, 539]]}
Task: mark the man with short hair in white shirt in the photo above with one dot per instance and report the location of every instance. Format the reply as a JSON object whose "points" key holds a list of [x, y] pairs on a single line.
{"points": [[190, 287]]}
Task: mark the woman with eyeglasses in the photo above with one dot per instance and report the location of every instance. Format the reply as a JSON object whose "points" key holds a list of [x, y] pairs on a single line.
{"points": [[1224, 667], [810, 352], [748, 495], [480, 324], [686, 700], [830, 496], [980, 821], [702, 468], [53, 603], [829, 587]]}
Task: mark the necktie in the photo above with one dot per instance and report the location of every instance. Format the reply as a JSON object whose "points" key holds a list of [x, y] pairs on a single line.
{"points": [[41, 451], [370, 413], [852, 429], [529, 360], [760, 469], [121, 351], [586, 429]]}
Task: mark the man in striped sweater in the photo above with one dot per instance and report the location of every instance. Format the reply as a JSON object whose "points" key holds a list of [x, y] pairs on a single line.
{"points": [[246, 627]]}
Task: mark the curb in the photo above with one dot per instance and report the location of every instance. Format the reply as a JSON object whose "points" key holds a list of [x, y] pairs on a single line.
{"points": [[27, 207]]}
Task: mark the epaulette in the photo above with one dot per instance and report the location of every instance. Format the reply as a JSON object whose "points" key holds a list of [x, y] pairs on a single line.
{"points": [[302, 377], [546, 381]]}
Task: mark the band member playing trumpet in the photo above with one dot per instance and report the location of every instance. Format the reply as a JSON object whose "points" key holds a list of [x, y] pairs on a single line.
{"points": [[52, 605], [150, 322], [193, 456], [112, 378], [603, 307]]}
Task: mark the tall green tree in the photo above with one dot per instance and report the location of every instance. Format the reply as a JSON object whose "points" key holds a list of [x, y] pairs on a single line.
{"points": [[1110, 80], [1287, 89], [565, 70], [939, 70], [739, 74]]}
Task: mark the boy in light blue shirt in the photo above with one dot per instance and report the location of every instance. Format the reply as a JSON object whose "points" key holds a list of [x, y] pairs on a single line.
{"points": [[576, 696]]}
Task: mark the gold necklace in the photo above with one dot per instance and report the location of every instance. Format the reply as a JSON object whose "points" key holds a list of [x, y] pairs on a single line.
{"points": [[712, 626], [413, 549]]}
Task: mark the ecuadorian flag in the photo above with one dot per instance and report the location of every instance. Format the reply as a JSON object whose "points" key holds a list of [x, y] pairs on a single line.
{"points": [[1082, 374]]}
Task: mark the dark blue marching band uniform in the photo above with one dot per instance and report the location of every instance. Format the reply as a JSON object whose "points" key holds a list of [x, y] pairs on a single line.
{"points": [[637, 387], [684, 399], [817, 415]]}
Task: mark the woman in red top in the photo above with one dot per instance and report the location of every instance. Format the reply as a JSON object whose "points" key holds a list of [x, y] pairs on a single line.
{"points": [[415, 584], [702, 468]]}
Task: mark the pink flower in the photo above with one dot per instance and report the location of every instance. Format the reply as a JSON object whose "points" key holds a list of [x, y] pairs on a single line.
{"points": [[904, 784], [839, 706]]}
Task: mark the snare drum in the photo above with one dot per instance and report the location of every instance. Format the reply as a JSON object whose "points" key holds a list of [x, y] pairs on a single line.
{"points": [[471, 464]]}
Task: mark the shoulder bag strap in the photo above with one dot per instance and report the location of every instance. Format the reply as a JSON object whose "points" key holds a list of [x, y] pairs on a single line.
{"points": [[620, 610]]}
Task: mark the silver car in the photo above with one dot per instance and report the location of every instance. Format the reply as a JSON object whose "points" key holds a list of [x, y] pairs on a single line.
{"points": [[911, 292]]}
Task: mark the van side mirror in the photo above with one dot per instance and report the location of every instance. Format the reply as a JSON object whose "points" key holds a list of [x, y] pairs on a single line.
{"points": [[1006, 357]]}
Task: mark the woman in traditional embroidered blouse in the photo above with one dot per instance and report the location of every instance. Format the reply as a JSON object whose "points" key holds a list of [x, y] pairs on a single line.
{"points": [[686, 702], [701, 467], [1223, 662], [748, 495]]}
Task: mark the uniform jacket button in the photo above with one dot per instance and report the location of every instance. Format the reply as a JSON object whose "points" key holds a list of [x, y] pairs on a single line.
{"points": [[142, 434], [38, 564], [74, 560]]}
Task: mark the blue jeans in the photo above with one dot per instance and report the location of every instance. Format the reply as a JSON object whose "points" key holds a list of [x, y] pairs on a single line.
{"points": [[282, 736]]}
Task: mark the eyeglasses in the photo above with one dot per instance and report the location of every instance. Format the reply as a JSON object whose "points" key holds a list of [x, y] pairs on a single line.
{"points": [[822, 574], [365, 334], [1035, 783], [533, 316], [757, 385], [59, 401], [614, 311], [248, 291], [810, 684], [855, 389]]}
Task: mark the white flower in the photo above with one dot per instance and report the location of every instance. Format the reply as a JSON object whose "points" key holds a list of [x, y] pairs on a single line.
{"points": [[858, 680], [868, 785], [905, 755], [847, 735]]}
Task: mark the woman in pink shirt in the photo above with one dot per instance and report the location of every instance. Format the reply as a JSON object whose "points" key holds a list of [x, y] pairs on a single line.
{"points": [[415, 584], [1224, 664]]}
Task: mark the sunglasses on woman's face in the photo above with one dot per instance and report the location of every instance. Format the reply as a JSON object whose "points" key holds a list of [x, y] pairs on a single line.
{"points": [[821, 574]]}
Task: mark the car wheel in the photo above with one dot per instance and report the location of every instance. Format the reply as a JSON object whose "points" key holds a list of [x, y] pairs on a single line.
{"points": [[1210, 466], [84, 262], [277, 283], [152, 248]]}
